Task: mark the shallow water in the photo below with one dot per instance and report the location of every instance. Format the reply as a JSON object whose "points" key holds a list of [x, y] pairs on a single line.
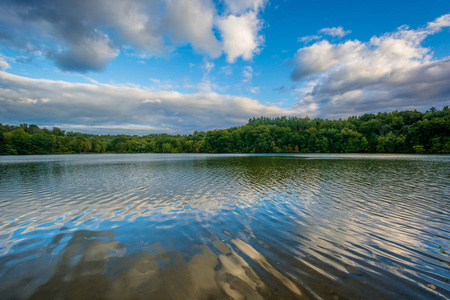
{"points": [[185, 226]]}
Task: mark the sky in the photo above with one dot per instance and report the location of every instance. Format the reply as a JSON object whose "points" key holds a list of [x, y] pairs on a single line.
{"points": [[179, 66]]}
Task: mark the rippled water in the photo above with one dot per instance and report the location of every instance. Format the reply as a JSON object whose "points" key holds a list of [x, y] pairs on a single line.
{"points": [[225, 226]]}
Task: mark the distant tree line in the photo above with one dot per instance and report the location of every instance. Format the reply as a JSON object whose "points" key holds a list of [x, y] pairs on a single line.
{"points": [[394, 132]]}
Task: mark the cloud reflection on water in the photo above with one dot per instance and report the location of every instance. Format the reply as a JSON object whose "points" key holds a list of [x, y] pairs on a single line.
{"points": [[193, 226]]}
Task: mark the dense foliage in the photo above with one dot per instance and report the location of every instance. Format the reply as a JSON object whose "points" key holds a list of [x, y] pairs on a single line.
{"points": [[395, 132]]}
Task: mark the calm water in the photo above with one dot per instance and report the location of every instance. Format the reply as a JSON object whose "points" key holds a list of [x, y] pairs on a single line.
{"points": [[225, 226]]}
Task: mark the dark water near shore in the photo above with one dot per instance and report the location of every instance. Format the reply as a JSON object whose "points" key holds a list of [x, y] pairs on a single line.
{"points": [[186, 226]]}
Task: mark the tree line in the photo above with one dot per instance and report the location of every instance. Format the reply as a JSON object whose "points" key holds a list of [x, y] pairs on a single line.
{"points": [[393, 132]]}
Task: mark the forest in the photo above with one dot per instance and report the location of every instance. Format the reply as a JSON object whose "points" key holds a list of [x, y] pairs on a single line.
{"points": [[393, 132]]}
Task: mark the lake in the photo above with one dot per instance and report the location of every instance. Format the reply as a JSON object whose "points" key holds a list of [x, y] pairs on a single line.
{"points": [[193, 226]]}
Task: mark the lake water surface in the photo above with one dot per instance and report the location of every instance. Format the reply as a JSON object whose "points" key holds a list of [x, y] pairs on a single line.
{"points": [[184, 226]]}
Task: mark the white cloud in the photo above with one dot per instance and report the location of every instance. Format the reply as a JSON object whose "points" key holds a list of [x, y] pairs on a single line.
{"points": [[192, 21], [111, 129], [135, 22], [240, 35], [46, 102], [335, 31], [389, 72], [242, 6], [322, 56], [152, 101], [247, 73], [240, 30], [439, 23], [3, 64], [80, 36], [255, 90], [33, 101], [309, 38], [161, 85], [206, 86], [207, 66]]}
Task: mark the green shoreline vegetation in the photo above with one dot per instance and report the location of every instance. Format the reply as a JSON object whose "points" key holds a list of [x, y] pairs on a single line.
{"points": [[394, 132]]}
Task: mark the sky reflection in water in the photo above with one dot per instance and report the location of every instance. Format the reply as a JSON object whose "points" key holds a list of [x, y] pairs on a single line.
{"points": [[221, 226]]}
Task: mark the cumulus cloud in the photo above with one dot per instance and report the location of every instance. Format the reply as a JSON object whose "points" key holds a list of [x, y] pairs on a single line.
{"points": [[67, 33], [136, 22], [242, 6], [88, 54], [82, 35], [320, 57], [392, 71], [335, 31], [240, 29], [65, 104], [192, 21], [240, 35]]}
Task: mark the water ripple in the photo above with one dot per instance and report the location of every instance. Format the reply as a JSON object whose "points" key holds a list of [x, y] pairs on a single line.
{"points": [[225, 226]]}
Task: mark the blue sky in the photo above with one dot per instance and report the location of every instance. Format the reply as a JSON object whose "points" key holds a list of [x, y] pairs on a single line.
{"points": [[176, 66]]}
